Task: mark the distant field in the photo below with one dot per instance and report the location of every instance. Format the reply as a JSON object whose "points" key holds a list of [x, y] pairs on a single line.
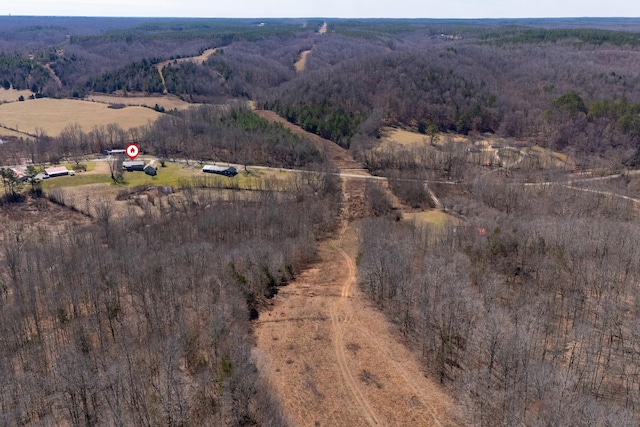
{"points": [[433, 217], [10, 95], [52, 115], [302, 61], [405, 137], [543, 157], [168, 102]]}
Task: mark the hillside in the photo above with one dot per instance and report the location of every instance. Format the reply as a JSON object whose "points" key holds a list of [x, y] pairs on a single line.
{"points": [[431, 222]]}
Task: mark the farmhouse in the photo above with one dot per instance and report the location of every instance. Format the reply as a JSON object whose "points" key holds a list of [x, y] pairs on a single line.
{"points": [[20, 174], [220, 170], [58, 171], [135, 165]]}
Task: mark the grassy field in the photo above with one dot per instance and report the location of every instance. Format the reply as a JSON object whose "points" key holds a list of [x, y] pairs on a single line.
{"points": [[545, 158], [409, 138], [173, 175], [52, 115], [10, 95], [432, 217], [168, 102]]}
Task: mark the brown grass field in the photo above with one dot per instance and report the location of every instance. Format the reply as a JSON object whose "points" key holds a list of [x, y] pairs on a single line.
{"points": [[168, 102], [432, 217], [10, 95], [302, 61], [53, 115], [544, 157]]}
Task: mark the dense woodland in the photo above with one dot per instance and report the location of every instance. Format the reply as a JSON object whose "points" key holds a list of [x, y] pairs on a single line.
{"points": [[529, 322], [144, 320]]}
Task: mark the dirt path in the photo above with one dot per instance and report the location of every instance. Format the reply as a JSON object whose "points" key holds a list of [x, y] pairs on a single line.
{"points": [[53, 74], [333, 358], [301, 63], [200, 59]]}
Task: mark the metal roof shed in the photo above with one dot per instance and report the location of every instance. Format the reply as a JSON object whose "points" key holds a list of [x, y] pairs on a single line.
{"points": [[56, 171], [136, 165]]}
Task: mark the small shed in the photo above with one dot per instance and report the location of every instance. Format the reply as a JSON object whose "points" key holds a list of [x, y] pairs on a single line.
{"points": [[151, 168], [56, 171], [220, 170], [134, 165]]}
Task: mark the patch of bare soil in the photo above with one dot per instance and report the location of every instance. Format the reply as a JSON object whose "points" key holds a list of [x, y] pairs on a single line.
{"points": [[332, 357], [338, 155], [302, 61]]}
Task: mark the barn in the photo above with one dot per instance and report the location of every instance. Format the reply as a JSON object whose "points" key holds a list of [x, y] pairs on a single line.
{"points": [[151, 168], [220, 170], [135, 165], [57, 171]]}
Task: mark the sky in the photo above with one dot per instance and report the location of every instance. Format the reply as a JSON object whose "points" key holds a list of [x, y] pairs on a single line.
{"points": [[326, 8]]}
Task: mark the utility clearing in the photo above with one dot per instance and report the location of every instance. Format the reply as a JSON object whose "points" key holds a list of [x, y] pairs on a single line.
{"points": [[301, 63], [331, 356], [200, 59]]}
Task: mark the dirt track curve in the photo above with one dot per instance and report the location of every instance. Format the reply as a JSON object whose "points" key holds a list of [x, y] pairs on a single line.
{"points": [[332, 357]]}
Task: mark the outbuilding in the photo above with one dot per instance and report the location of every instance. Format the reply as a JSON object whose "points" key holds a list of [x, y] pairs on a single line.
{"points": [[151, 168], [229, 171], [57, 171], [135, 165]]}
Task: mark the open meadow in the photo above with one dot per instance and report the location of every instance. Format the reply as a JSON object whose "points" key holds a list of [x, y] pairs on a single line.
{"points": [[168, 102], [51, 116]]}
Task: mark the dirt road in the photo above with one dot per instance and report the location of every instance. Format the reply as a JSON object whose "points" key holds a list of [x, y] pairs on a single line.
{"points": [[200, 59], [331, 356]]}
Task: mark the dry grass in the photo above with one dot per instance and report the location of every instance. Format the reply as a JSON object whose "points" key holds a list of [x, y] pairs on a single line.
{"points": [[168, 102], [432, 217], [486, 143], [409, 138], [10, 95], [302, 61], [403, 137], [52, 115]]}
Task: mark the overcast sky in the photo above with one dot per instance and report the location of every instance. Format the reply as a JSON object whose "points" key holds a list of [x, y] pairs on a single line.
{"points": [[326, 8]]}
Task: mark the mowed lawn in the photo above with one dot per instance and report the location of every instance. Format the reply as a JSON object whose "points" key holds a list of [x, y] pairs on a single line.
{"points": [[53, 115], [172, 175]]}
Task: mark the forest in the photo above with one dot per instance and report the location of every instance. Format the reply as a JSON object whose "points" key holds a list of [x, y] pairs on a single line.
{"points": [[522, 305]]}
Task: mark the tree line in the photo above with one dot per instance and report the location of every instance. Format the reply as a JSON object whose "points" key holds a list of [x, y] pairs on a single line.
{"points": [[524, 310]]}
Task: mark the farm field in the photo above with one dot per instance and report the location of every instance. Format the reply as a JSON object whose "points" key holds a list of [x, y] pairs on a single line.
{"points": [[11, 95], [53, 115], [168, 102], [432, 217]]}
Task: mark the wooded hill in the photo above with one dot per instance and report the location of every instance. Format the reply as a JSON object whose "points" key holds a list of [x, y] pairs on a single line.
{"points": [[501, 77], [523, 306]]}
